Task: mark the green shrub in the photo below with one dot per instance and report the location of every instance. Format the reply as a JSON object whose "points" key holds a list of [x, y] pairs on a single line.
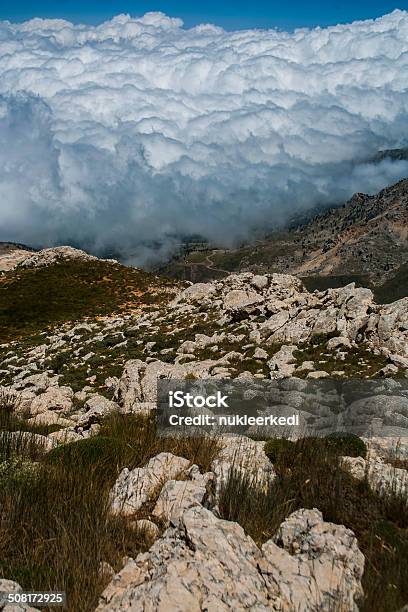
{"points": [[131, 333], [95, 360], [57, 362], [15, 471], [347, 444], [111, 340], [275, 446], [335, 444], [133, 343]]}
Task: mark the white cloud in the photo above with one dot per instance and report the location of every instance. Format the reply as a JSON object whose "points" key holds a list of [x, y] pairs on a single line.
{"points": [[137, 131]]}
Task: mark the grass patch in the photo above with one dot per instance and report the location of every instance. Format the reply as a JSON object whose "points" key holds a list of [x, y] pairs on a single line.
{"points": [[140, 441], [33, 299], [55, 525], [56, 530], [359, 361], [308, 476]]}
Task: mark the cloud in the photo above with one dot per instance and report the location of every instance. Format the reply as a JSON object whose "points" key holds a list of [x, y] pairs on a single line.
{"points": [[132, 134]]}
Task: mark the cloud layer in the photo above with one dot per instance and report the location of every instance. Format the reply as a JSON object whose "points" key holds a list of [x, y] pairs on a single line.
{"points": [[134, 133]]}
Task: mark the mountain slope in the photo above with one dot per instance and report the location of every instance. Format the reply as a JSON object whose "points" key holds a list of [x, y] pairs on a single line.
{"points": [[63, 284], [11, 254], [365, 240], [90, 339]]}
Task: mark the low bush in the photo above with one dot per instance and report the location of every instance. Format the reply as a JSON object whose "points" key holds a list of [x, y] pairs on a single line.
{"points": [[336, 444], [347, 445], [275, 446]]}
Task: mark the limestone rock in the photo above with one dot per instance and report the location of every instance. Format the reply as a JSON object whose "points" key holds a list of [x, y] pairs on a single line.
{"points": [[382, 477], [205, 563], [389, 447], [37, 382], [66, 435], [48, 257], [137, 390], [134, 488], [54, 398], [9, 586], [50, 417], [177, 496], [306, 366], [196, 293], [239, 300], [283, 363], [259, 353], [148, 527], [334, 343], [97, 408], [188, 347], [318, 374], [274, 323], [259, 281], [393, 327], [324, 567], [325, 320], [242, 455], [11, 258]]}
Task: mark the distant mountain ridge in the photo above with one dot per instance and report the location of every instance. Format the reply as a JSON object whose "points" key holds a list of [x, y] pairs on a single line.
{"points": [[365, 240]]}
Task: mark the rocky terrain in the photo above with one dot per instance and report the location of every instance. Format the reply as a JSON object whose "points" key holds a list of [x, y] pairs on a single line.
{"points": [[12, 254], [365, 240], [78, 390]]}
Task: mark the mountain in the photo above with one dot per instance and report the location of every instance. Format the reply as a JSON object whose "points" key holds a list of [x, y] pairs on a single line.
{"points": [[365, 240], [182, 519]]}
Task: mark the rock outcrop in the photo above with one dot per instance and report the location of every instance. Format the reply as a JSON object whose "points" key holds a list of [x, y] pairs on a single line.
{"points": [[324, 568], [206, 563], [381, 477], [243, 457], [134, 488], [54, 255]]}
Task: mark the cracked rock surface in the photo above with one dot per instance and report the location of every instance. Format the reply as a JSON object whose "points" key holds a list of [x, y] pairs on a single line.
{"points": [[210, 564]]}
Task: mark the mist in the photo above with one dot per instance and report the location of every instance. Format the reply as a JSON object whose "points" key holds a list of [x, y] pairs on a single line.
{"points": [[130, 136]]}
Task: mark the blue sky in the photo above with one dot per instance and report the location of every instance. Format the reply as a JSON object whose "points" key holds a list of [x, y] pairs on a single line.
{"points": [[230, 14]]}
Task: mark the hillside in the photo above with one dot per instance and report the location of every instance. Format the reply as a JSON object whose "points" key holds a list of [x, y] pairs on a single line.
{"points": [[84, 343], [64, 284], [12, 254], [365, 240]]}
